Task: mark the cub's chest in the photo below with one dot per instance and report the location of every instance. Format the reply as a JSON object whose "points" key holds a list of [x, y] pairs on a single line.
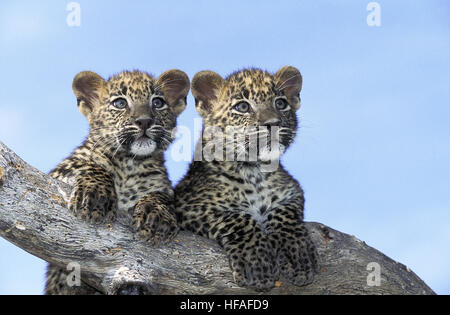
{"points": [[257, 201], [256, 195], [133, 182]]}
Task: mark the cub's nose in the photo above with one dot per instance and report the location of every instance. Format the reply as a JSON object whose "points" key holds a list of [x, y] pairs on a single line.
{"points": [[271, 122], [143, 123]]}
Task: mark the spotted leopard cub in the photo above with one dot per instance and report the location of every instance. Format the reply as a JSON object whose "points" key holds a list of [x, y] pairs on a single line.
{"points": [[254, 214], [119, 172]]}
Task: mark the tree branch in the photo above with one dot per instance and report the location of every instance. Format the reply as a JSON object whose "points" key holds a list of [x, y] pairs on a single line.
{"points": [[33, 216]]}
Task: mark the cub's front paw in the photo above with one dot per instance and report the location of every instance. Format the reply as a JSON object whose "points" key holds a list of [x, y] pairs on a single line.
{"points": [[253, 265], [154, 224], [297, 258], [93, 204]]}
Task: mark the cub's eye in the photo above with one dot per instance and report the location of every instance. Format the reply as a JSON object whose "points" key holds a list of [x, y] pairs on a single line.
{"points": [[242, 107], [281, 104], [120, 103], [158, 103]]}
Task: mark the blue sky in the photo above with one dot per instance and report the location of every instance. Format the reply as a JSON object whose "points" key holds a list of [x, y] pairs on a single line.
{"points": [[373, 151]]}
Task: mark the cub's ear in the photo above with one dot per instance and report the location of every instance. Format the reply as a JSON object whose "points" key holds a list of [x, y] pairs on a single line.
{"points": [[206, 86], [175, 86], [88, 87], [289, 80]]}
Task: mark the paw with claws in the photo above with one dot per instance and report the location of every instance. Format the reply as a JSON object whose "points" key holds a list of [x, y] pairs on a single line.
{"points": [[252, 263], [297, 257], [94, 203], [154, 222]]}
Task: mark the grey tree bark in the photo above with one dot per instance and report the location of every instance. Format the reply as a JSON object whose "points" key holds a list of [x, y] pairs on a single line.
{"points": [[33, 216]]}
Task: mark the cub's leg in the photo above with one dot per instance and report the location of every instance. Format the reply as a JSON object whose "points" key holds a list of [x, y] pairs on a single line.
{"points": [[296, 255], [154, 218], [248, 249], [56, 284], [93, 199]]}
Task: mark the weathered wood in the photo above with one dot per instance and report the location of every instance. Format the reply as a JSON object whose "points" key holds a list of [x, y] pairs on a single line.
{"points": [[33, 216]]}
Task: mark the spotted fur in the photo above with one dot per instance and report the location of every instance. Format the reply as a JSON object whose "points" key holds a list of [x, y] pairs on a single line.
{"points": [[118, 172], [255, 216]]}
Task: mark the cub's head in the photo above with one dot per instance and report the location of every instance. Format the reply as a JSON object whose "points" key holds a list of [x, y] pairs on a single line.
{"points": [[132, 112], [253, 103]]}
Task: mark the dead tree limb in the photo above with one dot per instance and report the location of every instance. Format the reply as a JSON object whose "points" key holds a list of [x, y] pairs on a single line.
{"points": [[33, 216]]}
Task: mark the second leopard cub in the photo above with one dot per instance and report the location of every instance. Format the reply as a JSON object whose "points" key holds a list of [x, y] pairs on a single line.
{"points": [[119, 172], [255, 215]]}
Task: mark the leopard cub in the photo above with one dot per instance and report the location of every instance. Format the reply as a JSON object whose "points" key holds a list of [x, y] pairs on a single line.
{"points": [[118, 172], [254, 212]]}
